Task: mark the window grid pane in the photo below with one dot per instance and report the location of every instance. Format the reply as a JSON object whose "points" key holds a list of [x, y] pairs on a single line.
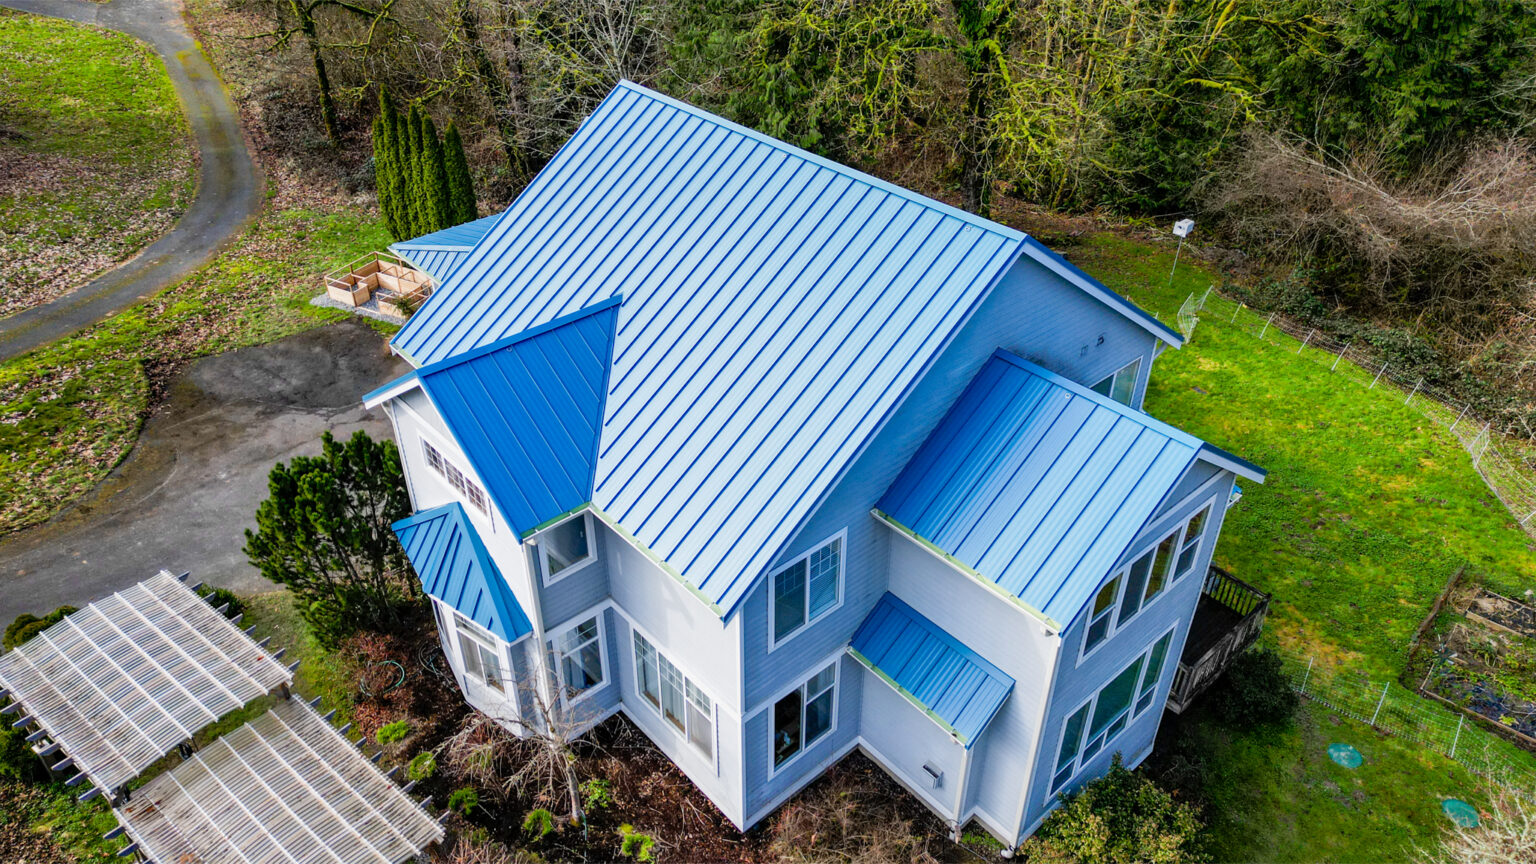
{"points": [[787, 727], [788, 600], [824, 565]]}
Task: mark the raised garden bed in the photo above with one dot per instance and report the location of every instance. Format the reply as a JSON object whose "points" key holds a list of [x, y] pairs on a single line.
{"points": [[397, 288], [1489, 672], [1502, 613]]}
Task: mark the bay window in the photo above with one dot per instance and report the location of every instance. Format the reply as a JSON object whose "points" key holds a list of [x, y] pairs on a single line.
{"points": [[680, 701]]}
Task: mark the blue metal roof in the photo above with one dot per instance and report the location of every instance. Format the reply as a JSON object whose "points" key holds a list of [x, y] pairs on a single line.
{"points": [[954, 685], [454, 567], [1038, 484], [777, 308], [526, 412], [436, 254]]}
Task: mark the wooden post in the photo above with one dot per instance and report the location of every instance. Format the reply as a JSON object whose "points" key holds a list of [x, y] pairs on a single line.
{"points": [[1266, 325], [1338, 358]]}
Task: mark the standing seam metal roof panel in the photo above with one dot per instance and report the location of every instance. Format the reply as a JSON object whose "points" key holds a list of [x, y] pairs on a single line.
{"points": [[955, 686], [776, 308], [436, 254], [1037, 483], [455, 568]]}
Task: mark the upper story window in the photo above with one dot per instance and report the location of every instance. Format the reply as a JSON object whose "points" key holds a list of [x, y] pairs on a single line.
{"points": [[1095, 724], [681, 702], [580, 650], [1149, 575], [463, 485], [805, 589], [477, 648], [1120, 386], [566, 547], [803, 715]]}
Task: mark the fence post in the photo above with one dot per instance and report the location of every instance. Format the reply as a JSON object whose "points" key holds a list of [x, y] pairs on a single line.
{"points": [[1306, 340], [1208, 289], [1415, 390], [1486, 439], [1266, 325], [1235, 311], [1307, 675], [1461, 415], [1454, 741], [1338, 358], [1378, 377], [1381, 703]]}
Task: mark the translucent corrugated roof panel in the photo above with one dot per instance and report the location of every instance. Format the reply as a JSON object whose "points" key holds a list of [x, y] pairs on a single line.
{"points": [[454, 567], [122, 682], [1038, 484], [286, 787], [956, 687]]}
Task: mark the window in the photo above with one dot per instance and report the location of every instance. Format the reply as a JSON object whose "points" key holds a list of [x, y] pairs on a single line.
{"points": [[481, 661], [461, 484], [806, 589], [803, 715], [581, 656], [1089, 730], [1192, 535], [1133, 588], [679, 700], [566, 547], [1120, 386]]}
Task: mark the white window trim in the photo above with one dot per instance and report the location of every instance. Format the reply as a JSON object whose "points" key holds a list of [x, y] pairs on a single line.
{"points": [[1113, 376], [566, 698], [544, 576], [714, 700], [1132, 715], [841, 538], [836, 664], [485, 639], [427, 440], [1198, 542]]}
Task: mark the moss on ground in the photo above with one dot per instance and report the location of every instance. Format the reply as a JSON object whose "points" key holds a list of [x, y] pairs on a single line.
{"points": [[95, 156]]}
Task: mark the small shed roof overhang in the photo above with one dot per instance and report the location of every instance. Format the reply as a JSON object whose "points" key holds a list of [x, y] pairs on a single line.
{"points": [[455, 568]]}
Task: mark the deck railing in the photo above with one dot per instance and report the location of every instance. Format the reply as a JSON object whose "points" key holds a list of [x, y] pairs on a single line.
{"points": [[1249, 605]]}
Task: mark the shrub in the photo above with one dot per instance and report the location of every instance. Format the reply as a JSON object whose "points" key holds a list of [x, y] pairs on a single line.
{"points": [[28, 625], [596, 794], [217, 597], [392, 733], [1118, 819], [421, 766], [636, 845], [17, 761], [464, 800], [1255, 692], [539, 822]]}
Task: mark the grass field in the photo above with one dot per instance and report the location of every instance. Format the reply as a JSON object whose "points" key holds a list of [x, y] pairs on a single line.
{"points": [[95, 155], [71, 411]]}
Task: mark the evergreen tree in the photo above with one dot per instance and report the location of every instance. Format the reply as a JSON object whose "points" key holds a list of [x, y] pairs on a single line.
{"points": [[386, 164], [411, 170], [461, 188], [434, 178]]}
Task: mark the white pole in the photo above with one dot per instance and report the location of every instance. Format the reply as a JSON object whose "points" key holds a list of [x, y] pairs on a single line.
{"points": [[1338, 358], [1203, 297], [1415, 391], [1308, 675], [1461, 415], [1175, 261], [1479, 457], [1381, 703], [1378, 377], [1266, 325], [1305, 341], [1454, 741], [1235, 311]]}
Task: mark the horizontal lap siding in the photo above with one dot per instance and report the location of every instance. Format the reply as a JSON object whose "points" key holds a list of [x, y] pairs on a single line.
{"points": [[905, 739], [585, 588], [1075, 683], [763, 791]]}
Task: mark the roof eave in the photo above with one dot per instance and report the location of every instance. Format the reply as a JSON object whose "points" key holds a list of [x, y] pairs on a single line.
{"points": [[1053, 261], [396, 388], [1231, 462]]}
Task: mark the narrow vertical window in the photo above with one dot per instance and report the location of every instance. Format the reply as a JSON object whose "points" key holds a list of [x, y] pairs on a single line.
{"points": [[1071, 745], [1136, 588], [647, 675], [1191, 547], [788, 600], [680, 701], [478, 648], [581, 656], [1160, 566], [1103, 605], [1154, 671]]}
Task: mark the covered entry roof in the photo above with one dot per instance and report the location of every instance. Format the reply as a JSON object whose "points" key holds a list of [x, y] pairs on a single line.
{"points": [[120, 683], [286, 787], [455, 568], [436, 254], [1038, 485], [956, 687]]}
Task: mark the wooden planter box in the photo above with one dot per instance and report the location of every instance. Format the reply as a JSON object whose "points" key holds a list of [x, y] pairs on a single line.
{"points": [[396, 287], [349, 290]]}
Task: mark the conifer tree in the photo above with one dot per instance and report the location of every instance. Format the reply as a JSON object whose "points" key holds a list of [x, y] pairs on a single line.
{"points": [[386, 164], [434, 178], [411, 170], [461, 188]]}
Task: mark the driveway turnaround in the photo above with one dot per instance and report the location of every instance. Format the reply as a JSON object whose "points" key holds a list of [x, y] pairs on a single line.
{"points": [[228, 189], [186, 493]]}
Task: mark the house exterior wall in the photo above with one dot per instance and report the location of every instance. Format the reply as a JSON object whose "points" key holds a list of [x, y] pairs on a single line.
{"points": [[1077, 680], [898, 736], [766, 788]]}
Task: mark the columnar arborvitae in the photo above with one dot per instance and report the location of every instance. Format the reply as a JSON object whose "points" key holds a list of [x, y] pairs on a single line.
{"points": [[461, 188], [434, 178], [386, 166]]}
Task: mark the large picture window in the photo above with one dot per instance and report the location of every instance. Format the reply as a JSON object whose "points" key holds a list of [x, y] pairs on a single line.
{"points": [[680, 701], [580, 650], [1120, 386], [806, 589], [566, 547], [803, 715], [1095, 725], [482, 661]]}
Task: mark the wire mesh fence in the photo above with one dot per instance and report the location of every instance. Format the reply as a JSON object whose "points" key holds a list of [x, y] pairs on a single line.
{"points": [[1506, 464]]}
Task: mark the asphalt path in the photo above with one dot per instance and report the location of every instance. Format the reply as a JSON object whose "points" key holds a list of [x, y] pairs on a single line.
{"points": [[229, 189]]}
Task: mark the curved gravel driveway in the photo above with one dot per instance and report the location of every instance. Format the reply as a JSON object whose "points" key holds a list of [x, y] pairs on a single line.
{"points": [[228, 190]]}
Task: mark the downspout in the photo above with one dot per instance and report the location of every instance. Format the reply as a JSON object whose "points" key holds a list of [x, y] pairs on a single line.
{"points": [[541, 645]]}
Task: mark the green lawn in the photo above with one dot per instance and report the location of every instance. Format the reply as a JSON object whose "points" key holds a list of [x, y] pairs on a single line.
{"points": [[95, 156], [71, 411]]}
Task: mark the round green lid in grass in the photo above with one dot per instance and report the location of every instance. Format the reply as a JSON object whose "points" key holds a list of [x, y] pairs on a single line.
{"points": [[1345, 754], [1461, 812]]}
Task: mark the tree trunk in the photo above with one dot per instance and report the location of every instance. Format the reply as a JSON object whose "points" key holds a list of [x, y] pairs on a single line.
{"points": [[312, 37], [502, 104]]}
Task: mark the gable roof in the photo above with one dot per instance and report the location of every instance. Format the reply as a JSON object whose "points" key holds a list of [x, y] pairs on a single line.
{"points": [[956, 687], [1038, 485], [436, 254], [455, 568]]}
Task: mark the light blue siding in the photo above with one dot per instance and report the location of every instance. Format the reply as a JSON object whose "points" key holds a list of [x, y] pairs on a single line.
{"points": [[583, 589], [762, 790]]}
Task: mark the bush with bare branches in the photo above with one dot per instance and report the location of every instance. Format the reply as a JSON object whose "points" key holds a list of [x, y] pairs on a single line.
{"points": [[1456, 241], [1506, 834]]}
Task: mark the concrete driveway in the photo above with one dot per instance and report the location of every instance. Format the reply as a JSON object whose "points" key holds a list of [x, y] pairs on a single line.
{"points": [[228, 183], [185, 495]]}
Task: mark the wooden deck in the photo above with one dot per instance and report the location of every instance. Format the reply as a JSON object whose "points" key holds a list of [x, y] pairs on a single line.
{"points": [[1227, 620]]}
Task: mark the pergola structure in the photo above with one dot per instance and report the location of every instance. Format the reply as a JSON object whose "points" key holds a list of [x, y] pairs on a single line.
{"points": [[124, 681], [286, 787]]}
